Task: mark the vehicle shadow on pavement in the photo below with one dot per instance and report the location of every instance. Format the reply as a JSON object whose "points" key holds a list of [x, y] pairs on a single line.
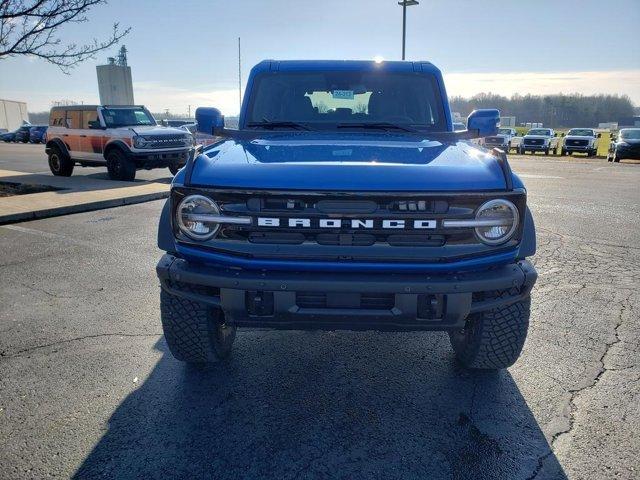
{"points": [[324, 405]]}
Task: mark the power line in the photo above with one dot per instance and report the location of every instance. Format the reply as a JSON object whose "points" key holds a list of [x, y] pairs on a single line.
{"points": [[239, 77]]}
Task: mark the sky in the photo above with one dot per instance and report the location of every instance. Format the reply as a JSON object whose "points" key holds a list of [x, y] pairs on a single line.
{"points": [[186, 53]]}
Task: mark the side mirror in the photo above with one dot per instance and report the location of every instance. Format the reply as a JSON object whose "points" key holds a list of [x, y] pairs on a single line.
{"points": [[599, 135], [484, 121], [95, 125], [555, 134], [562, 134], [209, 120]]}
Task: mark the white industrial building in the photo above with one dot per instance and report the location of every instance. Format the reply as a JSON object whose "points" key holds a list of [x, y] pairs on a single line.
{"points": [[507, 121], [114, 81], [12, 114]]}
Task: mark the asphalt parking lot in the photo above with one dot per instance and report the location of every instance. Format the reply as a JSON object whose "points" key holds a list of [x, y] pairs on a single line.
{"points": [[31, 158], [88, 388]]}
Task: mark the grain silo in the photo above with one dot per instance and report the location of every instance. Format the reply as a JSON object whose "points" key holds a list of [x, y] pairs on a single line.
{"points": [[114, 81]]}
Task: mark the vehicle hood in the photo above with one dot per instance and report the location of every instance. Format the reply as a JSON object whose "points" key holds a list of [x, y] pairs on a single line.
{"points": [[578, 137], [538, 137], [156, 130], [347, 163], [630, 141]]}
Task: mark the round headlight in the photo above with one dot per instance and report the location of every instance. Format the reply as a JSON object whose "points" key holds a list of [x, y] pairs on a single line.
{"points": [[139, 142], [501, 218], [191, 217]]}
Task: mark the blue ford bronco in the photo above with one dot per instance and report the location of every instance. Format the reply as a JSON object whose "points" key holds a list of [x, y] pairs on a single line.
{"points": [[346, 200]]}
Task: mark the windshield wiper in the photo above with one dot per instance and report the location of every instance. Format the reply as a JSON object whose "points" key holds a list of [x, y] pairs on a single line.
{"points": [[266, 123], [377, 126]]}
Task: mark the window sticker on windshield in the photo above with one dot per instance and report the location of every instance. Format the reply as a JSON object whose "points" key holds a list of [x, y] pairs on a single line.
{"points": [[343, 94], [346, 152]]}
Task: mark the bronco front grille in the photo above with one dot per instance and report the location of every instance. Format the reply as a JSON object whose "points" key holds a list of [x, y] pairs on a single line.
{"points": [[365, 227], [377, 221], [166, 141]]}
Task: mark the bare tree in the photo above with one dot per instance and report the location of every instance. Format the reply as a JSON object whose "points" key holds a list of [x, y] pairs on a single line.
{"points": [[31, 27]]}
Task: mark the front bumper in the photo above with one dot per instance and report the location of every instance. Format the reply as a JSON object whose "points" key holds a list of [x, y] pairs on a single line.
{"points": [[160, 159], [536, 148], [578, 148], [350, 301], [504, 148], [631, 152], [502, 145]]}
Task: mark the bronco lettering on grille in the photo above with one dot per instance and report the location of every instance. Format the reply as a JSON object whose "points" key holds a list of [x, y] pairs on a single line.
{"points": [[354, 223]]}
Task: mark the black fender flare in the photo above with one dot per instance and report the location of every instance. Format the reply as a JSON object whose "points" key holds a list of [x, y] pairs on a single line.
{"points": [[528, 243], [166, 240], [118, 144], [58, 143]]}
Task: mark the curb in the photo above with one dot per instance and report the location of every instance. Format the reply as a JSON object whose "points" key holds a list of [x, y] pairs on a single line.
{"points": [[82, 207]]}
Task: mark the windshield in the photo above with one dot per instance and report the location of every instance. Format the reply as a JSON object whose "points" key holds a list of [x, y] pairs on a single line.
{"points": [[330, 99], [126, 117], [539, 131], [581, 132], [504, 131], [632, 134]]}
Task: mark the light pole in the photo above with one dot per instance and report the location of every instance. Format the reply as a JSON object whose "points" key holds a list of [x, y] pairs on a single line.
{"points": [[404, 4]]}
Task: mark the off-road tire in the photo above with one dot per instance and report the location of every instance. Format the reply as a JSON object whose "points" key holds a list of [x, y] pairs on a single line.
{"points": [[563, 152], [493, 339], [195, 332], [119, 166], [59, 163], [546, 152]]}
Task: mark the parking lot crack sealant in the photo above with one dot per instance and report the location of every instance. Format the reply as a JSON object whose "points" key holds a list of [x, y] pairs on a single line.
{"points": [[5, 355], [575, 392]]}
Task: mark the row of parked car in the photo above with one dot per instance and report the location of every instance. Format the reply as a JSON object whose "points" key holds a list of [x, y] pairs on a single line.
{"points": [[546, 140], [626, 144], [26, 134]]}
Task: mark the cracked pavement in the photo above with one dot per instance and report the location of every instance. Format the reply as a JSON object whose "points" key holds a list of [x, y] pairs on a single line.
{"points": [[88, 388]]}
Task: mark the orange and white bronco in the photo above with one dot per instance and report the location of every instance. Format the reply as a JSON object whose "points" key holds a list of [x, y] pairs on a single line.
{"points": [[124, 138]]}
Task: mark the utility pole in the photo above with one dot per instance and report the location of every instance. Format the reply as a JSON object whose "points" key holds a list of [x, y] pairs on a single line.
{"points": [[239, 78], [404, 4]]}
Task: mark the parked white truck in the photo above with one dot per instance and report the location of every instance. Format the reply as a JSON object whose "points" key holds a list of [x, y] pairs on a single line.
{"points": [[539, 140], [581, 140], [501, 140]]}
